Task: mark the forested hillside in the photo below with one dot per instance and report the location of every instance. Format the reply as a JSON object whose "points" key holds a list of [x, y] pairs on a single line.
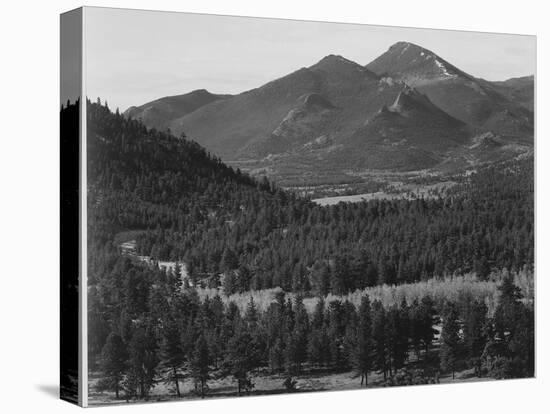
{"points": [[189, 206], [238, 234]]}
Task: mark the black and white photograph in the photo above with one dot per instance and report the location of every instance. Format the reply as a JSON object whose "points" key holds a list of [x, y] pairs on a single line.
{"points": [[279, 206]]}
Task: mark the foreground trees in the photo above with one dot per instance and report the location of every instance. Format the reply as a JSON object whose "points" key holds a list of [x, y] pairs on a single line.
{"points": [[204, 339], [142, 363], [242, 357], [510, 353], [113, 363]]}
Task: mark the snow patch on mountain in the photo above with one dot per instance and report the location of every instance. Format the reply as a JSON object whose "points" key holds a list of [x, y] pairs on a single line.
{"points": [[444, 70]]}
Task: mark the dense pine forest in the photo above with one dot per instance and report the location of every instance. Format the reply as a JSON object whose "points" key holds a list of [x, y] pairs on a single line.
{"points": [[150, 328]]}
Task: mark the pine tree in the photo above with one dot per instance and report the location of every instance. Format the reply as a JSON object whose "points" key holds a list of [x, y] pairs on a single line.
{"points": [[229, 260], [297, 339], [514, 334], [380, 338], [363, 355], [507, 309], [318, 342], [241, 358], [171, 352], [143, 362], [475, 340], [320, 278], [450, 338], [200, 365], [428, 319], [397, 338], [415, 327], [251, 315], [113, 362], [243, 279]]}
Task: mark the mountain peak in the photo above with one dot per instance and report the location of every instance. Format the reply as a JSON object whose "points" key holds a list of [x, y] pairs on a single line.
{"points": [[337, 63], [406, 46], [336, 58], [414, 64], [202, 90]]}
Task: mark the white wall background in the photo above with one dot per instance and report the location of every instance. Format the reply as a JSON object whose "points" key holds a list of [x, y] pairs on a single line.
{"points": [[29, 207]]}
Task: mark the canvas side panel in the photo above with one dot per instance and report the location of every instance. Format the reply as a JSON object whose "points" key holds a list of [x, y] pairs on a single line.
{"points": [[70, 120]]}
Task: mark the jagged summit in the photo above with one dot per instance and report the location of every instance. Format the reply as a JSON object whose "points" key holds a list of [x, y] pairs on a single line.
{"points": [[410, 99]]}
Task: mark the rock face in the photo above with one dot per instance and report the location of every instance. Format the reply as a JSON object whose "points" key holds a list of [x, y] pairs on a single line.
{"points": [[407, 110]]}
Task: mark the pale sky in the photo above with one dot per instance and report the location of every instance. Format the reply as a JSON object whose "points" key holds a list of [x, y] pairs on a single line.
{"points": [[134, 56]]}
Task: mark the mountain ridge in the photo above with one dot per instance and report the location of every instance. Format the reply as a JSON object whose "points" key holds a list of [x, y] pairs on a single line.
{"points": [[337, 113], [159, 112]]}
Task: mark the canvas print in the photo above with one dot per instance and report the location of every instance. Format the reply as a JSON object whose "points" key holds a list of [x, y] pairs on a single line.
{"points": [[277, 206]]}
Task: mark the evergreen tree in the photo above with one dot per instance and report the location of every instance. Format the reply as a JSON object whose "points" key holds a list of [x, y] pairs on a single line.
{"points": [[171, 352], [113, 363], [415, 326], [242, 357], [363, 355], [513, 348], [380, 338], [200, 365], [428, 319], [142, 363], [450, 338], [229, 261], [298, 337], [475, 340], [318, 342], [397, 338]]}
